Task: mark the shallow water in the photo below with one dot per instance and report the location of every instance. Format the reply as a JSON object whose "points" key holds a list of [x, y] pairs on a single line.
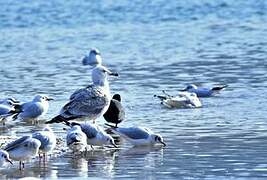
{"points": [[153, 46]]}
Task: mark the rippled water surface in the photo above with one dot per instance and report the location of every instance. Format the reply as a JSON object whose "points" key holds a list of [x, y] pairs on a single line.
{"points": [[153, 45]]}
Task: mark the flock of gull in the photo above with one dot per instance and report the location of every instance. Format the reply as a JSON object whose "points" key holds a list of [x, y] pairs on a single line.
{"points": [[86, 105]]}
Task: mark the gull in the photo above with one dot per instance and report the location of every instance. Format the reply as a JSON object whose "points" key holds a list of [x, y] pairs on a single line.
{"points": [[182, 100], [93, 58], [204, 91], [48, 141], [34, 109], [76, 139], [23, 149], [139, 136], [115, 113], [90, 102], [96, 136], [4, 158]]}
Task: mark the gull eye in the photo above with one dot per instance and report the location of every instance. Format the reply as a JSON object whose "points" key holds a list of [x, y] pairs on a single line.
{"points": [[4, 156]]}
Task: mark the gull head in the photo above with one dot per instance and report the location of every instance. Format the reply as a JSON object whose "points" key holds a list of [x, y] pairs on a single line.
{"points": [[42, 98], [158, 138], [4, 157], [100, 74], [94, 58], [47, 128], [190, 87], [75, 128]]}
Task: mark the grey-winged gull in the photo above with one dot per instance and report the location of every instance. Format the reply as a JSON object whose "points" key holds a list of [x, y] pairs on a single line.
{"points": [[90, 102]]}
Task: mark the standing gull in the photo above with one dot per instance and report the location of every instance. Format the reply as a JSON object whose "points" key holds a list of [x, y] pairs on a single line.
{"points": [[34, 109], [139, 136], [115, 113], [90, 102], [23, 149], [93, 59], [47, 139], [4, 158], [204, 91]]}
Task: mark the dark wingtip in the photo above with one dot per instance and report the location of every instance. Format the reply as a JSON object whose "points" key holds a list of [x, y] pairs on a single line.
{"points": [[57, 119], [218, 88], [109, 125]]}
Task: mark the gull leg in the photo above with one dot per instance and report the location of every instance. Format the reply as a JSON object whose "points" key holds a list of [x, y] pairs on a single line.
{"points": [[85, 150], [92, 147], [23, 165], [20, 165]]}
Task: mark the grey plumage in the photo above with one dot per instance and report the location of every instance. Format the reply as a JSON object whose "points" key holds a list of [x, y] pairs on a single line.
{"points": [[134, 132], [16, 143]]}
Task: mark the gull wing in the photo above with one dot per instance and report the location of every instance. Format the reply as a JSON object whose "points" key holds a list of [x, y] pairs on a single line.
{"points": [[133, 132], [16, 143], [89, 101]]}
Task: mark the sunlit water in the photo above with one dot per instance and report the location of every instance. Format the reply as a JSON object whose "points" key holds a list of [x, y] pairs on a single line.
{"points": [[154, 46]]}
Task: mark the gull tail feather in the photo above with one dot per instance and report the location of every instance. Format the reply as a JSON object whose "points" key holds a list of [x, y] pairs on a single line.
{"points": [[109, 125], [161, 97], [218, 88], [57, 119]]}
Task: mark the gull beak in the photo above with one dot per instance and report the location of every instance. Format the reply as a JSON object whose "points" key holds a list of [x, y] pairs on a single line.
{"points": [[49, 98], [8, 160], [164, 144]]}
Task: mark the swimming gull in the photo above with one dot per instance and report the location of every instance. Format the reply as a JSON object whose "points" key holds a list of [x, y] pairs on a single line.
{"points": [[115, 113], [139, 136], [204, 91], [23, 149], [76, 139], [48, 141], [181, 100], [34, 109], [93, 59], [90, 102], [4, 158]]}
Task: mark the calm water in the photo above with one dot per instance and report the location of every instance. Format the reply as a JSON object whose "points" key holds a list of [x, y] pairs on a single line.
{"points": [[153, 45]]}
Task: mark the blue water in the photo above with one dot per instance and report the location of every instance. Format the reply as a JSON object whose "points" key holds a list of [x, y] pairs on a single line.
{"points": [[153, 45]]}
